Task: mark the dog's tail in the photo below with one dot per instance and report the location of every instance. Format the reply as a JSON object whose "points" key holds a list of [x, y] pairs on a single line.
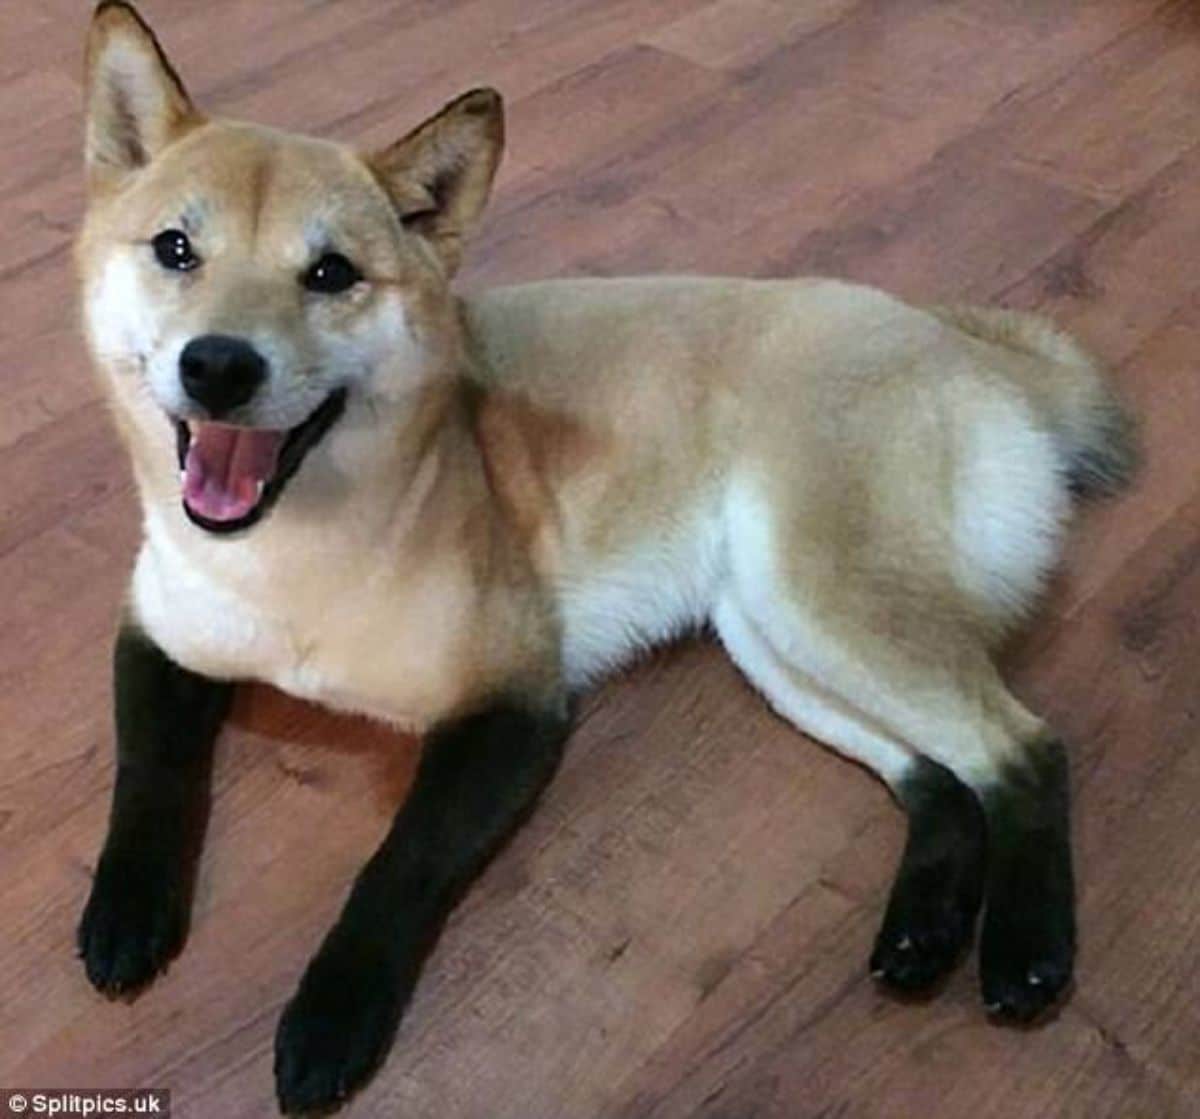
{"points": [[1095, 432]]}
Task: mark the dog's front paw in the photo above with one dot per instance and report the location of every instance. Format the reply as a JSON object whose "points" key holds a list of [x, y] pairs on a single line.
{"points": [[336, 1030], [133, 923]]}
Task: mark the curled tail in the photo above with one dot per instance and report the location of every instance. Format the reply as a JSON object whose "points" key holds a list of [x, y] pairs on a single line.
{"points": [[1096, 433]]}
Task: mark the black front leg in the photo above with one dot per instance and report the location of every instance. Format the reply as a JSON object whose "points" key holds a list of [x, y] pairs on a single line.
{"points": [[478, 778], [167, 720]]}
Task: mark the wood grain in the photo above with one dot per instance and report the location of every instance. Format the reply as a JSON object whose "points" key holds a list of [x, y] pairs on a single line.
{"points": [[682, 929]]}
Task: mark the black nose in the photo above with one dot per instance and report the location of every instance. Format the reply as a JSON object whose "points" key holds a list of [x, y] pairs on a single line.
{"points": [[220, 372]]}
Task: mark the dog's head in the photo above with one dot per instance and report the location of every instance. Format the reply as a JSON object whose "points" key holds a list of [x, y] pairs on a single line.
{"points": [[242, 286]]}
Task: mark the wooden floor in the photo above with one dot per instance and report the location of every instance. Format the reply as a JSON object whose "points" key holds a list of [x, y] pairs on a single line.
{"points": [[683, 929]]}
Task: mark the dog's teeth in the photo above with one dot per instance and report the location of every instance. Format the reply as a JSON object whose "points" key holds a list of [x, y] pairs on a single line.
{"points": [[259, 491]]}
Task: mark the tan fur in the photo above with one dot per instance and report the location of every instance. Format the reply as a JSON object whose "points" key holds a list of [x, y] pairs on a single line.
{"points": [[530, 486]]}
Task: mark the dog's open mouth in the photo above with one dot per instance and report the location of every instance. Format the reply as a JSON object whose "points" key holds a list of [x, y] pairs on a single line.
{"points": [[232, 475]]}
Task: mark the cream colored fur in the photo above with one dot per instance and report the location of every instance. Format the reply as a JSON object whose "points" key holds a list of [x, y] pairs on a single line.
{"points": [[531, 486]]}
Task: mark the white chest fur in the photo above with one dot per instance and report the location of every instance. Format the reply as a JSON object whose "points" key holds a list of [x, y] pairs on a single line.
{"points": [[351, 637], [361, 632]]}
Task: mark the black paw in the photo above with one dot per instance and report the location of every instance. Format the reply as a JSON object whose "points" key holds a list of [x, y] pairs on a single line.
{"points": [[924, 935], [132, 925], [1025, 964], [939, 886], [336, 1030], [1027, 949]]}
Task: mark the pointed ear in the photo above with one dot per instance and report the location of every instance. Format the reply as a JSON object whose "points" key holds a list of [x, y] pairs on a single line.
{"points": [[439, 176], [136, 104]]}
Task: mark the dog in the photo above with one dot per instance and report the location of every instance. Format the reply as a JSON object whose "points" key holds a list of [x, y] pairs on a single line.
{"points": [[453, 514]]}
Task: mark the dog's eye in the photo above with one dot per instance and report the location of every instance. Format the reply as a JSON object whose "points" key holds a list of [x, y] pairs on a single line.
{"points": [[174, 250], [331, 274]]}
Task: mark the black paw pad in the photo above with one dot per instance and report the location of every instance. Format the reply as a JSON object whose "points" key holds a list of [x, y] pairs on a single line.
{"points": [[1021, 981], [333, 1034], [1027, 948], [132, 926], [912, 955], [931, 912]]}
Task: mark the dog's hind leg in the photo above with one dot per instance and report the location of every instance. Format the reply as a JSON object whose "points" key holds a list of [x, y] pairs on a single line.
{"points": [[1018, 769], [960, 753], [931, 912], [930, 915]]}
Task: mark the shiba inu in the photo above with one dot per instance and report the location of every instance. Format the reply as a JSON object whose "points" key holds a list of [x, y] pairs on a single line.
{"points": [[453, 514]]}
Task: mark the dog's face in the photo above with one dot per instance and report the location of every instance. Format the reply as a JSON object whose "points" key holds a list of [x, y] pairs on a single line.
{"points": [[241, 285]]}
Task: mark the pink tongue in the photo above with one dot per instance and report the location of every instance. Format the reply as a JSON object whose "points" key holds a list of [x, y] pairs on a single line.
{"points": [[226, 468]]}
